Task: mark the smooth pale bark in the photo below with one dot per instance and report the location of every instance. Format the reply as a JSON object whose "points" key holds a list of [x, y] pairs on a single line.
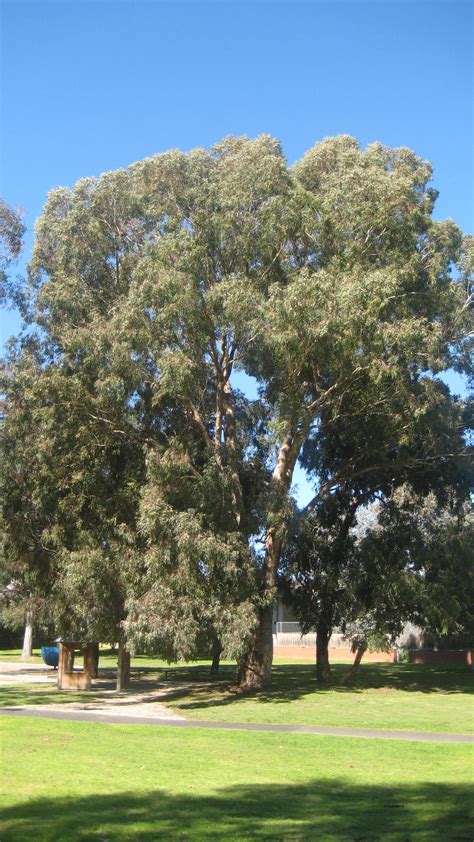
{"points": [[230, 440], [255, 668], [27, 650], [123, 668], [323, 669]]}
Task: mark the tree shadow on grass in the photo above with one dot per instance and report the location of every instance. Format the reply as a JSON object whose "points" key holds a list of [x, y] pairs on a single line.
{"points": [[14, 695], [292, 681], [409, 677], [320, 810]]}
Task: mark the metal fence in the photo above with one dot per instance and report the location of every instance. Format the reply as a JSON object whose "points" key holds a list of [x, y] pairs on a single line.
{"points": [[289, 634], [292, 627]]}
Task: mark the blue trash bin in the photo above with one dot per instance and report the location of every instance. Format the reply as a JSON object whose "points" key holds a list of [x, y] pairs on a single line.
{"points": [[50, 655]]}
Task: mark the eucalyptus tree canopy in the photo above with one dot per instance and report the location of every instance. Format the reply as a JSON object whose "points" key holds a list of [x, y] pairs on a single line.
{"points": [[11, 233], [69, 494], [434, 543], [367, 571], [328, 282], [343, 565]]}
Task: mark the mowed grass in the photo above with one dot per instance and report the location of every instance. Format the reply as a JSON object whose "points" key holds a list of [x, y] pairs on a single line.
{"points": [[395, 696], [85, 781]]}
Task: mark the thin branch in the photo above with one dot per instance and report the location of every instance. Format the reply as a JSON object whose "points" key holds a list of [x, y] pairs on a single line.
{"points": [[194, 413]]}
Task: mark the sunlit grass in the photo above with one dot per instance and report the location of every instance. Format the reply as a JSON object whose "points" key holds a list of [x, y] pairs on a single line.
{"points": [[68, 781], [402, 696], [395, 696]]}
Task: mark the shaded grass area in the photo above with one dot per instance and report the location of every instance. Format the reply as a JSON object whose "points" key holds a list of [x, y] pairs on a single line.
{"points": [[397, 696], [108, 660], [84, 781], [40, 694], [295, 675]]}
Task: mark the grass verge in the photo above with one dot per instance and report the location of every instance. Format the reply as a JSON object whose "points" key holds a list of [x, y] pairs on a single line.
{"points": [[395, 696], [83, 781]]}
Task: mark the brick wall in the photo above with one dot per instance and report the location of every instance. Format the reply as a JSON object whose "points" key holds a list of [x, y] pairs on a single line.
{"points": [[440, 656], [339, 653]]}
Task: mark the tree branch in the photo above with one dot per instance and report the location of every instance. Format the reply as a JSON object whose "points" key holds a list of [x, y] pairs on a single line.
{"points": [[194, 413]]}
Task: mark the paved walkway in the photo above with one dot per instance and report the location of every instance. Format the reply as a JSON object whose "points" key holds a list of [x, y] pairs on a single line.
{"points": [[147, 708], [16, 672], [127, 719]]}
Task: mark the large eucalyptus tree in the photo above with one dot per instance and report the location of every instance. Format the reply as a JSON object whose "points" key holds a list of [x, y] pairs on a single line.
{"points": [[322, 281]]}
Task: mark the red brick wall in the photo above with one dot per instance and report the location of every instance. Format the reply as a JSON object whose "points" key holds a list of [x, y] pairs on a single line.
{"points": [[415, 656], [336, 653], [441, 656]]}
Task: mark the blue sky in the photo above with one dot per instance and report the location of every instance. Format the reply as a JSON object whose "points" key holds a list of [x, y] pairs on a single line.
{"points": [[90, 86]]}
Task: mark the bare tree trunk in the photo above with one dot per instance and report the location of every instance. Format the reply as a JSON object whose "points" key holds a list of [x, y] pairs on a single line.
{"points": [[324, 624], [323, 669], [359, 655], [27, 650], [351, 675], [123, 668], [255, 668], [231, 443], [216, 657]]}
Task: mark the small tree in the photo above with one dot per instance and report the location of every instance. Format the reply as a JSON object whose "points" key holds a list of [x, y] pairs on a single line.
{"points": [[69, 500], [433, 539]]}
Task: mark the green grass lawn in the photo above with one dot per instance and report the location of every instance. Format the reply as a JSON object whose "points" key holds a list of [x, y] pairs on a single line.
{"points": [[82, 781], [15, 655], [397, 696], [108, 660], [40, 694], [405, 696]]}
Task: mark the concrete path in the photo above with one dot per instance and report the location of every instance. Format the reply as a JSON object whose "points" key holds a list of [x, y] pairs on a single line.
{"points": [[16, 672], [121, 719], [147, 708]]}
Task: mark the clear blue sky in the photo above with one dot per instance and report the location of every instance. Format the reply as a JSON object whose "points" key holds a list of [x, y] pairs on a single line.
{"points": [[90, 86]]}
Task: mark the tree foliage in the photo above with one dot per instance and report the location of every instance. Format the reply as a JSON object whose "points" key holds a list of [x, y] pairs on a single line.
{"points": [[11, 234], [328, 282]]}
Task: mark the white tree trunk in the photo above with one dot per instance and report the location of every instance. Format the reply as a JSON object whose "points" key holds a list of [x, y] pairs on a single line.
{"points": [[28, 636]]}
